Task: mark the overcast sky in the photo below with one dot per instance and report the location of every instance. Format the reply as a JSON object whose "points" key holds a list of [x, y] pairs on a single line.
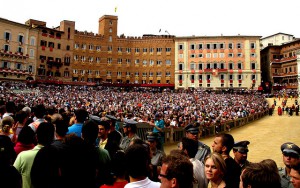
{"points": [[177, 17]]}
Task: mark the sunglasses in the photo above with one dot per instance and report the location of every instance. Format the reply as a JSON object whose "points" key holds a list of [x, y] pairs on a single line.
{"points": [[164, 176]]}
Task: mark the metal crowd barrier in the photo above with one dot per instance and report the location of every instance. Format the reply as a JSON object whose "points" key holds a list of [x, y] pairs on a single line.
{"points": [[174, 134]]}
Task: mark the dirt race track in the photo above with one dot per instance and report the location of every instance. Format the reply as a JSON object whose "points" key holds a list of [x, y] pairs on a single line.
{"points": [[265, 135]]}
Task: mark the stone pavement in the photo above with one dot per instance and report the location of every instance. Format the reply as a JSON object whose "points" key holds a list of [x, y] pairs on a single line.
{"points": [[265, 135]]}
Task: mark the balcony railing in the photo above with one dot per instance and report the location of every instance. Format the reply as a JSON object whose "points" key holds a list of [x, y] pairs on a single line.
{"points": [[285, 59]]}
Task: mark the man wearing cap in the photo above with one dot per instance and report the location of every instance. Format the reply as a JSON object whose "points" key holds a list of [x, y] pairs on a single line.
{"points": [[240, 152], [129, 129], [291, 154], [156, 154], [114, 134], [192, 132], [152, 140]]}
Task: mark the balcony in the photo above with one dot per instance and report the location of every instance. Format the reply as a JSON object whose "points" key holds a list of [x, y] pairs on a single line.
{"points": [[285, 59], [208, 70], [44, 34], [284, 74], [222, 70]]}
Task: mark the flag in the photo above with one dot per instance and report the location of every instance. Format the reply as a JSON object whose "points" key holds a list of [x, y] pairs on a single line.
{"points": [[159, 30], [116, 9]]}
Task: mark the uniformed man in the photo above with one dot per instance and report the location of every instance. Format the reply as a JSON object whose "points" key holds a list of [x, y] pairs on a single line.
{"points": [[291, 153], [156, 154], [192, 132], [152, 140], [240, 152], [114, 134], [129, 129]]}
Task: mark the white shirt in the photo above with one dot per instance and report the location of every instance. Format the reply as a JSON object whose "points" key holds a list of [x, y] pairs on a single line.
{"points": [[145, 183], [199, 174]]}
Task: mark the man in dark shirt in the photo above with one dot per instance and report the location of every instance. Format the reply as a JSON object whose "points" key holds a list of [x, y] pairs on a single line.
{"points": [[222, 144]]}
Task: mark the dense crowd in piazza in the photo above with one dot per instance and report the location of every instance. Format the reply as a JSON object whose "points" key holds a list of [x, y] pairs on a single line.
{"points": [[178, 107]]}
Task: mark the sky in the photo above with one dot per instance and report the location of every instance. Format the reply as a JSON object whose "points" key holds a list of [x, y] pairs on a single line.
{"points": [[160, 17]]}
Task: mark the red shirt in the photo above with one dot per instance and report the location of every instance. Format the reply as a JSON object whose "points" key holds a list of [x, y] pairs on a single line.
{"points": [[115, 185]]}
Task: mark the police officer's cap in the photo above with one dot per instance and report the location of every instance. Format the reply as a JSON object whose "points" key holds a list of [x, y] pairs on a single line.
{"points": [[129, 122], [290, 148], [96, 119], [192, 129], [241, 146], [111, 117]]}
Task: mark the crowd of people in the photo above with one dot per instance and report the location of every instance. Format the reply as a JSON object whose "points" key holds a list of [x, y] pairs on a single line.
{"points": [[66, 136], [178, 108]]}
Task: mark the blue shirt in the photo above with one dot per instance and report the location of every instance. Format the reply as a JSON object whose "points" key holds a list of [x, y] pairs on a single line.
{"points": [[76, 128], [160, 123]]}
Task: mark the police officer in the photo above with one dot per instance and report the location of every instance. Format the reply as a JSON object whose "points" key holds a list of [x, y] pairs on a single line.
{"points": [[130, 130], [240, 152], [192, 132], [155, 153], [153, 141], [291, 153]]}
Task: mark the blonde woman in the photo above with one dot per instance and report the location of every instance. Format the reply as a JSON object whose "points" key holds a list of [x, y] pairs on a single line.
{"points": [[215, 168]]}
